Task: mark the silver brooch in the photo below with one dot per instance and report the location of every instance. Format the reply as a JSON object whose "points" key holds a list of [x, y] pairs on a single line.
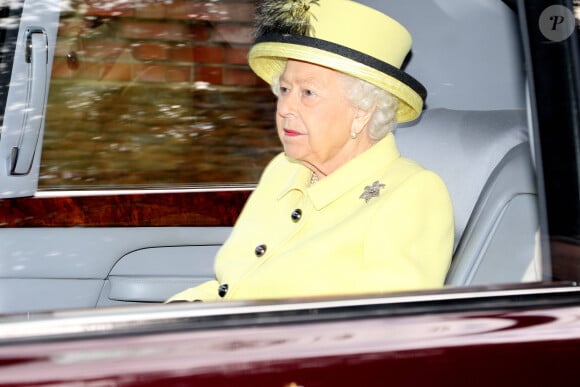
{"points": [[371, 191]]}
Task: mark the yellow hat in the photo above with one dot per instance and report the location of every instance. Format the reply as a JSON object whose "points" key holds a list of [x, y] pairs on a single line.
{"points": [[340, 34]]}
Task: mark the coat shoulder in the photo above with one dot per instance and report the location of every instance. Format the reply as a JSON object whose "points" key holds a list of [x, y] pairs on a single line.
{"points": [[280, 161]]}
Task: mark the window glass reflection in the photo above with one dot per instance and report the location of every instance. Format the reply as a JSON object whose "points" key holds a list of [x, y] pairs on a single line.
{"points": [[155, 93]]}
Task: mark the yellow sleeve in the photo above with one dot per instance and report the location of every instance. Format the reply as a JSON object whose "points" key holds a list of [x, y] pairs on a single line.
{"points": [[410, 244], [207, 291]]}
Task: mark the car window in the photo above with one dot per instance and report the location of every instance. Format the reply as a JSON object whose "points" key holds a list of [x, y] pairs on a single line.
{"points": [[155, 93], [9, 17]]}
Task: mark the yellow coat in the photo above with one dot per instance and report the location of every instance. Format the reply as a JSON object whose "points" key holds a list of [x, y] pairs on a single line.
{"points": [[296, 240]]}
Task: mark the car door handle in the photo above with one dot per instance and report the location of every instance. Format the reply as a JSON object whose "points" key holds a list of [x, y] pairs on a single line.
{"points": [[36, 52]]}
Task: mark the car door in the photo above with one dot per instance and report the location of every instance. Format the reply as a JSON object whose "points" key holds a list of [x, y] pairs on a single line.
{"points": [[524, 334], [154, 131], [133, 133]]}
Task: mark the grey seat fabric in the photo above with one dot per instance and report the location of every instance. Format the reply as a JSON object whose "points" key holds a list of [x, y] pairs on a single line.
{"points": [[484, 158]]}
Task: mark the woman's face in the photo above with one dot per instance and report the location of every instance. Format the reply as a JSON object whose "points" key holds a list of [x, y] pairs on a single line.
{"points": [[314, 118]]}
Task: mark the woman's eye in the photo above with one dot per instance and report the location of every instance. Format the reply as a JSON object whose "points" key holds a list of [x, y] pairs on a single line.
{"points": [[283, 90], [309, 93]]}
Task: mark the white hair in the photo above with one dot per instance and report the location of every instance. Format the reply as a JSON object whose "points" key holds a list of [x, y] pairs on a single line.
{"points": [[364, 95]]}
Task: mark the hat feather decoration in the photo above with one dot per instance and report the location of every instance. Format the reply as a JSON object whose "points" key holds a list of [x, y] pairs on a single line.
{"points": [[284, 17]]}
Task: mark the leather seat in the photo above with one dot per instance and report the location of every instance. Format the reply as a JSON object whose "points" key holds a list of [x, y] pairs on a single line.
{"points": [[484, 158]]}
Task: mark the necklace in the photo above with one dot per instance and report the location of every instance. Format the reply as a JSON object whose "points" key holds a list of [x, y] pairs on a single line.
{"points": [[313, 178]]}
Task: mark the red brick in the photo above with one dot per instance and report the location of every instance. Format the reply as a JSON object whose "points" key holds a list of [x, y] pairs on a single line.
{"points": [[90, 70], [103, 49], [154, 30], [64, 46], [208, 54], [183, 10], [151, 10], [236, 55], [160, 73], [200, 33], [150, 73], [232, 34], [211, 11], [181, 53], [117, 71], [109, 8], [210, 74], [178, 74], [60, 69], [239, 12], [239, 77], [150, 51], [70, 27]]}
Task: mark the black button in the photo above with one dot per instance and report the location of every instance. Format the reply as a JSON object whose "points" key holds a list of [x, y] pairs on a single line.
{"points": [[296, 215], [260, 250], [223, 290]]}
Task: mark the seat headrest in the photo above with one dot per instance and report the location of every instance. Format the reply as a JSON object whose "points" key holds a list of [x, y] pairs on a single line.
{"points": [[463, 148]]}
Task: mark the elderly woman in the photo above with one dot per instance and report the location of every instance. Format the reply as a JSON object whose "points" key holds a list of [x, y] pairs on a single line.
{"points": [[340, 212]]}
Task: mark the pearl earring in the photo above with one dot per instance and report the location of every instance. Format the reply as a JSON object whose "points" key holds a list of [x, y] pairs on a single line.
{"points": [[353, 134]]}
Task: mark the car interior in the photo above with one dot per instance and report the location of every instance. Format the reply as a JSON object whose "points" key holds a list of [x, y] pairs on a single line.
{"points": [[474, 133]]}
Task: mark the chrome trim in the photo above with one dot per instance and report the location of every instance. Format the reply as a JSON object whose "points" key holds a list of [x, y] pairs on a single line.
{"points": [[90, 323], [141, 191], [28, 48]]}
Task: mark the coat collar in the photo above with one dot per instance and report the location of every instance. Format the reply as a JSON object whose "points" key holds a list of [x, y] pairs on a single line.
{"points": [[360, 170]]}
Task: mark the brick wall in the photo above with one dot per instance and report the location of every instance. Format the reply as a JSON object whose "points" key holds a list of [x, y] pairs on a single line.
{"points": [[156, 92], [157, 41]]}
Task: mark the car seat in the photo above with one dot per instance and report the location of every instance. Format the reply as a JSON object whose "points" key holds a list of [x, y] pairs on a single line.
{"points": [[484, 158]]}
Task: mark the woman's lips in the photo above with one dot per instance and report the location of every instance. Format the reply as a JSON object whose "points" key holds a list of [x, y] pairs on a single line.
{"points": [[291, 133]]}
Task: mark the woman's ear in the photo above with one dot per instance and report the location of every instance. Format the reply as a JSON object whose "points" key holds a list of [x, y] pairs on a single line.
{"points": [[362, 118]]}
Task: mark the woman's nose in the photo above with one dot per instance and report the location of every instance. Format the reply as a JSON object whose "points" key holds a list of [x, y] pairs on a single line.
{"points": [[286, 106]]}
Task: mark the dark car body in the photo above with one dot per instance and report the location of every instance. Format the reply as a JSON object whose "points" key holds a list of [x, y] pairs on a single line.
{"points": [[83, 271], [416, 340]]}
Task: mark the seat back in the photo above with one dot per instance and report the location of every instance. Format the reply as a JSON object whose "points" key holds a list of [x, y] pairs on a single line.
{"points": [[484, 158]]}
